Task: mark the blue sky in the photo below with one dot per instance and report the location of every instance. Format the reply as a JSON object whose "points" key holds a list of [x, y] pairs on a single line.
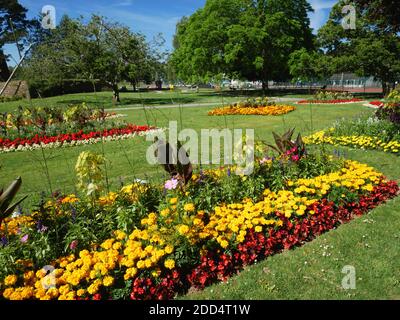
{"points": [[149, 17]]}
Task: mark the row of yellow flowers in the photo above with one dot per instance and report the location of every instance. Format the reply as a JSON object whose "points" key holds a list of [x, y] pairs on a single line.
{"points": [[273, 110], [150, 248], [363, 142]]}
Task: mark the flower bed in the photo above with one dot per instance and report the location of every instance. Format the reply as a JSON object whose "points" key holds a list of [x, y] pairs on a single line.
{"points": [[73, 139], [272, 110], [376, 103], [363, 142], [333, 101], [179, 245]]}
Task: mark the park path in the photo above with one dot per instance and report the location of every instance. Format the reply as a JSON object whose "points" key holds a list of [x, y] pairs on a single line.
{"points": [[187, 105]]}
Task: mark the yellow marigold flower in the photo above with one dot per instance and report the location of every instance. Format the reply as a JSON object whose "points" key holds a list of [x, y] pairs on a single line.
{"points": [[108, 281], [224, 244], [80, 292], [169, 249], [92, 289], [10, 280], [169, 264], [7, 293], [258, 229], [165, 212], [189, 207], [173, 201], [183, 229]]}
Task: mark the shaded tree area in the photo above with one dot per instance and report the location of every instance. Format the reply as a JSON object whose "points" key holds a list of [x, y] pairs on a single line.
{"points": [[371, 49], [14, 27], [98, 51]]}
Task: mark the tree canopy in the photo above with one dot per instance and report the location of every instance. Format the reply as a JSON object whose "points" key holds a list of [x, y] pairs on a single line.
{"points": [[14, 25], [249, 39], [368, 50], [98, 50]]}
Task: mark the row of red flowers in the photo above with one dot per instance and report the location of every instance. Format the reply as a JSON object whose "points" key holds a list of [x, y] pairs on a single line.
{"points": [[377, 103], [333, 101], [216, 266], [70, 137]]}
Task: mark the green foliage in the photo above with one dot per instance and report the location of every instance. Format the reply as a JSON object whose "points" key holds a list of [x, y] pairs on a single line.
{"points": [[368, 50], [309, 65], [26, 122], [6, 198], [365, 125], [332, 95], [242, 39], [8, 99], [254, 102], [96, 50]]}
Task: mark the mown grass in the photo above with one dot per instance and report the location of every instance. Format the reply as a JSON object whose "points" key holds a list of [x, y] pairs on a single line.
{"points": [[104, 99]]}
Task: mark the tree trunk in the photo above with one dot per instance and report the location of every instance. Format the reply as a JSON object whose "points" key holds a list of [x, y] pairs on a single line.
{"points": [[264, 86], [116, 97], [4, 71], [384, 88]]}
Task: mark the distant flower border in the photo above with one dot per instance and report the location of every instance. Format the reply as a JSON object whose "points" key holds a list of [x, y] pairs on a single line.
{"points": [[272, 110], [361, 142], [74, 139], [333, 101]]}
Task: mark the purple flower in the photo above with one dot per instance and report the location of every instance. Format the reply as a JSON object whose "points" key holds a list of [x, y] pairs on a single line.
{"points": [[41, 228], [4, 241], [25, 238], [171, 184], [229, 172]]}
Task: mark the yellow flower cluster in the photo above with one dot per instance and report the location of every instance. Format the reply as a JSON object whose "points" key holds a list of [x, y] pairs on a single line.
{"points": [[70, 199], [363, 142], [76, 276], [14, 224], [230, 224], [132, 192], [273, 110]]}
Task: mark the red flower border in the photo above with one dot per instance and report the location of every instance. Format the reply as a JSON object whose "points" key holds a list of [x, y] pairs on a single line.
{"points": [[333, 101], [69, 137], [377, 103]]}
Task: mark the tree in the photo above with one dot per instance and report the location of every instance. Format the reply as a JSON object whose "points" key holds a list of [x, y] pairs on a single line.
{"points": [[99, 50], [368, 50], [13, 26], [249, 39], [384, 13], [310, 65]]}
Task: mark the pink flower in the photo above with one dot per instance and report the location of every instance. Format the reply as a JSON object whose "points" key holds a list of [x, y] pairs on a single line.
{"points": [[171, 184], [296, 158], [25, 238], [74, 244]]}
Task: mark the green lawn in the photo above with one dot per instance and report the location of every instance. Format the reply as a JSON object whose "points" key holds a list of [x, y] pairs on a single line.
{"points": [[369, 243], [104, 99]]}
